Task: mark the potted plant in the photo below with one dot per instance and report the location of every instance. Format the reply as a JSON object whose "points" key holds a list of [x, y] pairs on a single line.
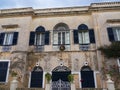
{"points": [[14, 75], [48, 77], [70, 78]]}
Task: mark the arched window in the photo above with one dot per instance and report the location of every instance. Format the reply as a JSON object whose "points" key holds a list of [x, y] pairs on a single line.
{"points": [[39, 35], [60, 72], [83, 34], [61, 35]]}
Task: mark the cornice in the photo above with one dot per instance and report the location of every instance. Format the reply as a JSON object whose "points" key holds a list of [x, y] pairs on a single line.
{"points": [[106, 6]]}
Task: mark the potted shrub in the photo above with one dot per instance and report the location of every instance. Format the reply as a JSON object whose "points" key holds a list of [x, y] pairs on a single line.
{"points": [[48, 77], [14, 75], [70, 78]]}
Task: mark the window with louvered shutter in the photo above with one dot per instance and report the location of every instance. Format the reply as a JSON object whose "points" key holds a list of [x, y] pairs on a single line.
{"points": [[113, 33], [39, 39], [47, 38], [15, 38], [8, 38], [32, 38], [91, 36], [4, 71], [84, 37], [2, 35], [75, 34], [116, 32]]}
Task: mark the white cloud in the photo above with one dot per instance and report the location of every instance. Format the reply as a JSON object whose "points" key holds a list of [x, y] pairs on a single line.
{"points": [[47, 3]]}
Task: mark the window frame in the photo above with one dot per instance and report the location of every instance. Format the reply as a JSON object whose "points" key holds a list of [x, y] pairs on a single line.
{"points": [[10, 43], [83, 39], [61, 37], [41, 36], [118, 61], [115, 33], [7, 70]]}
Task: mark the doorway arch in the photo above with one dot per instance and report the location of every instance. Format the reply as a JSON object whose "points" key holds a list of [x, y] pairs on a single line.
{"points": [[87, 77], [60, 78], [36, 79]]}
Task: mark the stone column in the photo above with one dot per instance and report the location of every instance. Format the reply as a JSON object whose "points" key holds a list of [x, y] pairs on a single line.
{"points": [[47, 87], [13, 84], [73, 86], [110, 83]]}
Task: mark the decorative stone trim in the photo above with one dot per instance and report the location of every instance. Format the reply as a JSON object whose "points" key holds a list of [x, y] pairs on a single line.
{"points": [[10, 26]]}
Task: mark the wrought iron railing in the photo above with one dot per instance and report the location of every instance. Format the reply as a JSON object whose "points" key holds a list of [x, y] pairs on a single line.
{"points": [[39, 48], [60, 85], [84, 47], [6, 48], [57, 47]]}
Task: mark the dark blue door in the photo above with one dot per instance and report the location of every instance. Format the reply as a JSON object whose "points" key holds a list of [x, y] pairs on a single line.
{"points": [[3, 71], [36, 79], [87, 79]]}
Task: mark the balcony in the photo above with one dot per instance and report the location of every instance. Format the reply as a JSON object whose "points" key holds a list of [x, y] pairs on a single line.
{"points": [[6, 48], [57, 47], [39, 48], [84, 47]]}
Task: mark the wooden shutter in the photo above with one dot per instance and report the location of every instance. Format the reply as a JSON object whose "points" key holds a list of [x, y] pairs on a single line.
{"points": [[2, 35], [110, 34], [3, 71], [47, 35], [32, 38], [92, 36], [15, 38], [75, 34]]}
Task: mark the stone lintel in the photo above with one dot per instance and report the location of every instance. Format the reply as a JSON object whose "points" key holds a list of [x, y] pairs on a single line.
{"points": [[10, 26]]}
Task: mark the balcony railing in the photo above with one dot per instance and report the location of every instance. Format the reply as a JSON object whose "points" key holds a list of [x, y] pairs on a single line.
{"points": [[38, 48], [6, 48], [57, 47], [84, 47]]}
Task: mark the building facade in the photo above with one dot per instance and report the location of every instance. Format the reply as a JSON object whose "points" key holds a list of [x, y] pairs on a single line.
{"points": [[60, 41]]}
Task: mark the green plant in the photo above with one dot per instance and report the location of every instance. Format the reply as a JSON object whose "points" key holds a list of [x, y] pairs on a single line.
{"points": [[70, 78], [112, 50], [13, 74], [113, 71], [48, 77]]}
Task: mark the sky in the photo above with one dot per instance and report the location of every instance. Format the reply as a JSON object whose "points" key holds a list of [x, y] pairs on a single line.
{"points": [[40, 4]]}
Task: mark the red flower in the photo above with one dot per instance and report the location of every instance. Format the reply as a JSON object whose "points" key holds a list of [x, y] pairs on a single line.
{"points": [[81, 80]]}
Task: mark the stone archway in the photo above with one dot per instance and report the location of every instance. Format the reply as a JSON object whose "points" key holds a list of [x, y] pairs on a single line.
{"points": [[60, 78]]}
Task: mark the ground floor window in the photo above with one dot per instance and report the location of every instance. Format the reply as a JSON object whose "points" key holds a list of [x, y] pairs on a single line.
{"points": [[4, 70]]}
